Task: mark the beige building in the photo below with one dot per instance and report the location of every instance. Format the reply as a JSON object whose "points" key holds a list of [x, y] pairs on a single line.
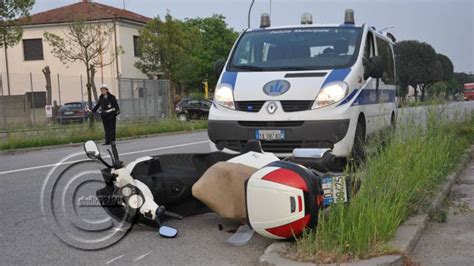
{"points": [[21, 71]]}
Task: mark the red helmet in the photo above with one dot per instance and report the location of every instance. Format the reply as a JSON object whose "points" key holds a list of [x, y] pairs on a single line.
{"points": [[283, 199]]}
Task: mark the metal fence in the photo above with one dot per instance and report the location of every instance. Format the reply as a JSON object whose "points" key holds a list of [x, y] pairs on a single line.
{"points": [[23, 97], [141, 99]]}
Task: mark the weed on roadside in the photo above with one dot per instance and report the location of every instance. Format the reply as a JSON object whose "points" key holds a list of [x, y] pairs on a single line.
{"points": [[81, 133], [397, 179]]}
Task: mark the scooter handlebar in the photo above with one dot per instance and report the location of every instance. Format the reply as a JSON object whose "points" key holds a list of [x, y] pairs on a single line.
{"points": [[114, 151]]}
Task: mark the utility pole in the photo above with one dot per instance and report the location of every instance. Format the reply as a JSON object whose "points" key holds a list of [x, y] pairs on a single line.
{"points": [[5, 47], [270, 9], [250, 12], [7, 68]]}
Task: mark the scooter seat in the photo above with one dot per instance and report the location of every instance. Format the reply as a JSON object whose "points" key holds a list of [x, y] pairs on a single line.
{"points": [[221, 188]]}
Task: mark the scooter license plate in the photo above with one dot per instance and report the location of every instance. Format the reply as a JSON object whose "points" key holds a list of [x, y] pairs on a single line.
{"points": [[265, 134], [335, 189]]}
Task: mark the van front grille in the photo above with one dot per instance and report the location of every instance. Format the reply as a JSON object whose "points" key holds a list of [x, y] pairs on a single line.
{"points": [[296, 106], [249, 106], [288, 106]]}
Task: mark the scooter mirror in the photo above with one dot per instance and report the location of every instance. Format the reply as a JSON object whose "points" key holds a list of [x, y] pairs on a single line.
{"points": [[168, 232], [91, 149]]}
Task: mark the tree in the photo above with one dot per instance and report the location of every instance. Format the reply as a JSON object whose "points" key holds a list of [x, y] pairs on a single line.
{"points": [[169, 48], [11, 14], [417, 64], [447, 67], [447, 74], [218, 40], [184, 52], [462, 78], [86, 42]]}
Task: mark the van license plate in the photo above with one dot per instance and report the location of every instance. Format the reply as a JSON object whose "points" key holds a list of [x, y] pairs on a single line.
{"points": [[335, 189], [261, 134]]}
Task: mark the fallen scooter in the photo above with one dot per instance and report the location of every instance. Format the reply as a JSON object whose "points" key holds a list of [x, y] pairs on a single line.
{"points": [[136, 196], [148, 184]]}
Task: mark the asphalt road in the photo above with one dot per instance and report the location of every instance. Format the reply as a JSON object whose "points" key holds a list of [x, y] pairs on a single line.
{"points": [[27, 238]]}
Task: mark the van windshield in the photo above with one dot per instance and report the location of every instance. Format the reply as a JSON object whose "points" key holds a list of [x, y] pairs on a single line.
{"points": [[296, 49]]}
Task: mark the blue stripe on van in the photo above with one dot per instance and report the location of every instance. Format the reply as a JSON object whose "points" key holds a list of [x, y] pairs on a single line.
{"points": [[337, 75], [366, 97], [229, 78], [349, 98]]}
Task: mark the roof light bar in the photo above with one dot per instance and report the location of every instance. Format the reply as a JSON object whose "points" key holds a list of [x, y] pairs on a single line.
{"points": [[265, 20], [349, 16], [306, 19]]}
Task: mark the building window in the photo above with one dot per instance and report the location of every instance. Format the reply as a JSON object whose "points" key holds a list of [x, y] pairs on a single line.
{"points": [[136, 47], [33, 49]]}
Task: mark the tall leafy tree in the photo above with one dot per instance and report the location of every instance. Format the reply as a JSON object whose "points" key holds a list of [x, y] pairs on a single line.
{"points": [[12, 12], [447, 67], [169, 49], [447, 74], [184, 52], [218, 39], [462, 78], [86, 42], [417, 64]]}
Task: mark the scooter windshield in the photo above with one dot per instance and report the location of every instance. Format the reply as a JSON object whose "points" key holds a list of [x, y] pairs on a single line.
{"points": [[296, 49]]}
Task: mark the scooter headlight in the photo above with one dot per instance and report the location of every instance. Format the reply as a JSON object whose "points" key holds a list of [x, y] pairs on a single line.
{"points": [[330, 94], [224, 96]]}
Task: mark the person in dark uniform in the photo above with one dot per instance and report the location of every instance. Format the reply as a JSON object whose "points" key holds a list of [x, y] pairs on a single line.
{"points": [[110, 110]]}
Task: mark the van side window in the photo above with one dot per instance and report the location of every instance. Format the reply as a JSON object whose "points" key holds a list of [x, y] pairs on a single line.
{"points": [[385, 51], [369, 51]]}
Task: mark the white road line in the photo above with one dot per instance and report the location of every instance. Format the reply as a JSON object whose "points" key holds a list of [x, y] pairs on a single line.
{"points": [[112, 260], [121, 154], [141, 257]]}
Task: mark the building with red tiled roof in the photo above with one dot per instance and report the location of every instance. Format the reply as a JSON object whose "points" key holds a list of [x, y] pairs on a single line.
{"points": [[33, 53], [85, 10]]}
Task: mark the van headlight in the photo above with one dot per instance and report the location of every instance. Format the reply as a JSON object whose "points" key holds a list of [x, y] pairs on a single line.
{"points": [[330, 94], [224, 96]]}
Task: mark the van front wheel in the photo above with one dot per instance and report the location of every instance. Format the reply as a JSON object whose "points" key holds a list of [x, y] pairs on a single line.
{"points": [[358, 153]]}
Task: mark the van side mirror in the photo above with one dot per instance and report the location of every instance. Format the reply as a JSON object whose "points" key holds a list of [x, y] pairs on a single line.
{"points": [[375, 67], [219, 66]]}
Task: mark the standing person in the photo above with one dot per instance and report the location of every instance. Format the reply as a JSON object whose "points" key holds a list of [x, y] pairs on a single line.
{"points": [[110, 110]]}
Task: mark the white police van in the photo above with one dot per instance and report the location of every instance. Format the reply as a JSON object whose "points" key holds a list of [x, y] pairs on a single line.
{"points": [[305, 86]]}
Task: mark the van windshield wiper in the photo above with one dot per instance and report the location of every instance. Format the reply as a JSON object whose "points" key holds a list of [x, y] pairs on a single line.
{"points": [[248, 67]]}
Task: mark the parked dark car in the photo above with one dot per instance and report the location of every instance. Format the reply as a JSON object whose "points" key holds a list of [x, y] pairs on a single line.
{"points": [[72, 112], [189, 109]]}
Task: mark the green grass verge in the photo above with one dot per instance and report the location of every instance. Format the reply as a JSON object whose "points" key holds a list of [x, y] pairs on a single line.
{"points": [[81, 133], [397, 180]]}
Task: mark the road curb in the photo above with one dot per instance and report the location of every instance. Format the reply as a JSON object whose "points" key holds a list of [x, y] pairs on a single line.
{"points": [[406, 237], [24, 150]]}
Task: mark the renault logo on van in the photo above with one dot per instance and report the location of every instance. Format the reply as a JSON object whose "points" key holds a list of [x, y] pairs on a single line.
{"points": [[276, 87], [271, 107]]}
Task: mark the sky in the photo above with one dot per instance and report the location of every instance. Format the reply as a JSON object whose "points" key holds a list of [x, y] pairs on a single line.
{"points": [[448, 25]]}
